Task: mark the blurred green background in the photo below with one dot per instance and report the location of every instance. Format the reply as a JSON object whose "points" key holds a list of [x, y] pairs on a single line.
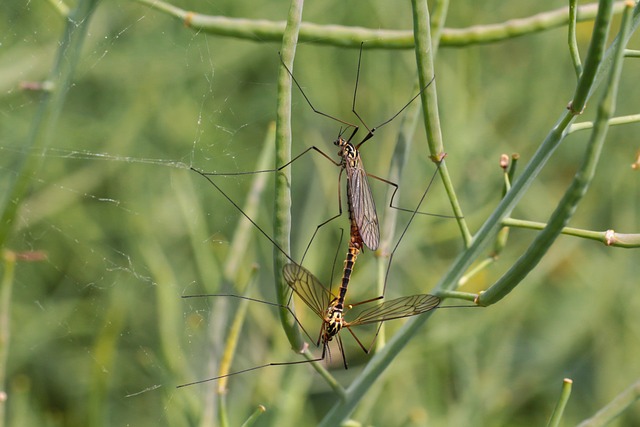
{"points": [[99, 332]]}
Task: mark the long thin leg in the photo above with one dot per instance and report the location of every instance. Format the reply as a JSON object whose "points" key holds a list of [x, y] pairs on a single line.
{"points": [[373, 129], [335, 260], [299, 362], [325, 155], [393, 195], [365, 349], [309, 101], [341, 348], [355, 94], [413, 215], [243, 213], [330, 219]]}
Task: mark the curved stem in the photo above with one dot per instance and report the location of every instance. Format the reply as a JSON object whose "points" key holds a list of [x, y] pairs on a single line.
{"points": [[282, 208], [351, 37]]}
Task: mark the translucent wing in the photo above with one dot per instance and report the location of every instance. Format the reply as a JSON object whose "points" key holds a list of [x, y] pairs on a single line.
{"points": [[308, 288], [396, 309], [361, 205]]}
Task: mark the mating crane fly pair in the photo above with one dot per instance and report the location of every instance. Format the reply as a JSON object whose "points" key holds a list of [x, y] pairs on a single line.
{"points": [[364, 231]]}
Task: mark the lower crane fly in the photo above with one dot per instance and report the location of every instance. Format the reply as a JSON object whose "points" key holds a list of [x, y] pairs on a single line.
{"points": [[328, 307]]}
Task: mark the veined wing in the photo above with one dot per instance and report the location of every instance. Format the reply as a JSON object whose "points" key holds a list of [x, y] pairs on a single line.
{"points": [[361, 205], [397, 309], [308, 288]]}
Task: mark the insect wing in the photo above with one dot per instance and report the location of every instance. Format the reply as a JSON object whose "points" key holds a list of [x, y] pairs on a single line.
{"points": [[397, 309], [362, 206], [308, 288]]}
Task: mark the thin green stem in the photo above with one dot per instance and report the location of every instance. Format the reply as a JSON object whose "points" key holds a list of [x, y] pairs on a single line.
{"points": [[556, 417], [573, 44], [608, 237], [438, 18], [282, 217], [223, 415], [351, 37], [282, 208], [429, 97], [6, 289], [603, 70], [594, 56], [233, 337], [622, 120], [466, 296], [229, 353], [475, 270], [621, 403], [254, 417]]}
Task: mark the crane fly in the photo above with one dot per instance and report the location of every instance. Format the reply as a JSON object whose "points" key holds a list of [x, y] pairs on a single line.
{"points": [[330, 308], [334, 316], [360, 202]]}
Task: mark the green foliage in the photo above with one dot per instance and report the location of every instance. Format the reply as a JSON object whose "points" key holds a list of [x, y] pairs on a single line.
{"points": [[115, 228]]}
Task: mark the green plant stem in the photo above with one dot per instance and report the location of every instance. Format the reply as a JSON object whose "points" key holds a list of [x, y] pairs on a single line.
{"points": [[607, 61], [475, 270], [282, 217], [466, 296], [573, 44], [618, 405], [556, 417], [223, 415], [6, 289], [351, 37], [282, 208], [229, 352], [46, 118], [608, 237], [282, 225], [233, 337], [622, 120], [254, 417], [630, 53], [429, 98], [594, 56], [580, 184], [439, 12]]}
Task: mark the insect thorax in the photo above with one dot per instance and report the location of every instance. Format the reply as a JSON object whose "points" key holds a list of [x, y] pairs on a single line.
{"points": [[333, 320], [347, 151]]}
